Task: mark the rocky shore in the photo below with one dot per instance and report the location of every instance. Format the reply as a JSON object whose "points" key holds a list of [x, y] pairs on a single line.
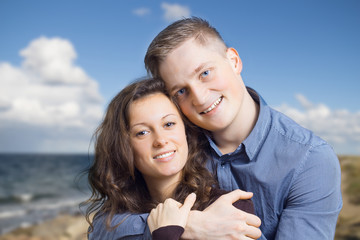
{"points": [[63, 227]]}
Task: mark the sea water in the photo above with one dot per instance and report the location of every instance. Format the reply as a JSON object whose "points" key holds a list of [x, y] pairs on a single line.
{"points": [[37, 187]]}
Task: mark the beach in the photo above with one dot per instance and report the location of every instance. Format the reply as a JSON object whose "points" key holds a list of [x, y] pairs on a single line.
{"points": [[46, 206], [35, 188], [63, 227]]}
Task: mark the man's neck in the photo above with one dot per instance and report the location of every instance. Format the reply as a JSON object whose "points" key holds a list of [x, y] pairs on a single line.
{"points": [[230, 138]]}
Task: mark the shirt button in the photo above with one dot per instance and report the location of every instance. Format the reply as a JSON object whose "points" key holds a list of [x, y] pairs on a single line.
{"points": [[222, 164]]}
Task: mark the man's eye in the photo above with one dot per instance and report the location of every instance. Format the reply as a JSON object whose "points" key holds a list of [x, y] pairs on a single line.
{"points": [[180, 92], [205, 74]]}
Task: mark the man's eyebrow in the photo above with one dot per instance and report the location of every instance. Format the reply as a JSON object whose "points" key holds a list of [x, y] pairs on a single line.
{"points": [[199, 68], [174, 88], [195, 72]]}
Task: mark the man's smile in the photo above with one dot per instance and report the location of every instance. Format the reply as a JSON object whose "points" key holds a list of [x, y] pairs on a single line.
{"points": [[214, 105]]}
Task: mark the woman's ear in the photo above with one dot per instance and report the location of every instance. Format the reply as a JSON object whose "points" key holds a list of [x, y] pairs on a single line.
{"points": [[234, 59]]}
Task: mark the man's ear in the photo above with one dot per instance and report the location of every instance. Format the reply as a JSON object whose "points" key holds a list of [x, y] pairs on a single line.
{"points": [[234, 59]]}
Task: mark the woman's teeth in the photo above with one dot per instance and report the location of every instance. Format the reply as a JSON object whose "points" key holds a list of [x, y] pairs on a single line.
{"points": [[164, 155]]}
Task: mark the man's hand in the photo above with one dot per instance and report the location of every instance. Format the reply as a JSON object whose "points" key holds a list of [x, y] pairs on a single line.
{"points": [[171, 212], [221, 220]]}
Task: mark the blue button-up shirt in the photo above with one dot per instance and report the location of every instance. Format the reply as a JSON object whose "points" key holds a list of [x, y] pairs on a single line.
{"points": [[294, 175]]}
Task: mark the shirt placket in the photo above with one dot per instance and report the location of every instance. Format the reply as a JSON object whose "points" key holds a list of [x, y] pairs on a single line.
{"points": [[224, 173]]}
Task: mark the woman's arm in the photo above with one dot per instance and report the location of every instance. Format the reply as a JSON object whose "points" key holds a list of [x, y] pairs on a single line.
{"points": [[168, 219]]}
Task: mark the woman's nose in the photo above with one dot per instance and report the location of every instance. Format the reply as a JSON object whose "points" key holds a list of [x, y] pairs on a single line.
{"points": [[160, 141]]}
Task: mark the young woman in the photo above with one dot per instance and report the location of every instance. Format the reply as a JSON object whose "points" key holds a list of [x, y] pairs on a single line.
{"points": [[149, 159]]}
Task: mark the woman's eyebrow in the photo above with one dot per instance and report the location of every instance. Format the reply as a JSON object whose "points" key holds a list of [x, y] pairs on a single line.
{"points": [[170, 114]]}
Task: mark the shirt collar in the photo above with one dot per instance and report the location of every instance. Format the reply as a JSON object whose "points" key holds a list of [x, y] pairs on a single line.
{"points": [[256, 137]]}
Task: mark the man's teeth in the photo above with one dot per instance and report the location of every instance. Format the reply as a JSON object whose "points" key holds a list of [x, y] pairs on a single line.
{"points": [[213, 105], [164, 155]]}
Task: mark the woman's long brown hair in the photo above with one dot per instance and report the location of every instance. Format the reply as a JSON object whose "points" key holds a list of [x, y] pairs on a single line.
{"points": [[117, 186]]}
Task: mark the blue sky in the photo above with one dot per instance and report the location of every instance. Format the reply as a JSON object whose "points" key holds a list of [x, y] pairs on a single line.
{"points": [[61, 62]]}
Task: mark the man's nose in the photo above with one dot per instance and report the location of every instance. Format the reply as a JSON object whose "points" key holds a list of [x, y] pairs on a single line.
{"points": [[198, 93]]}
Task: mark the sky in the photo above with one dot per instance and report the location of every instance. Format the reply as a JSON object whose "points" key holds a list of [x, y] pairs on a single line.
{"points": [[61, 62]]}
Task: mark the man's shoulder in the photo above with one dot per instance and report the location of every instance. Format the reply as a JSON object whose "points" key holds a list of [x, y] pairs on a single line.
{"points": [[291, 142], [292, 132], [275, 131]]}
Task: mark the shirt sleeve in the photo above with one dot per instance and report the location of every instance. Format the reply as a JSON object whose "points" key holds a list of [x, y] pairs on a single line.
{"points": [[172, 232], [132, 227], [245, 205], [314, 200]]}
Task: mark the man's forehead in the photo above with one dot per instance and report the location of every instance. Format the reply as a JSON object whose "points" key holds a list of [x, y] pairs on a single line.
{"points": [[184, 62]]}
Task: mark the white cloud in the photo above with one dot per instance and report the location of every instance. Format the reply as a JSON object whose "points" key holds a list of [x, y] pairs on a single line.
{"points": [[175, 11], [51, 94], [340, 128], [141, 11]]}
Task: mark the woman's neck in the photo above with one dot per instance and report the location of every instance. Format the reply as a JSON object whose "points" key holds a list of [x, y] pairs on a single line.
{"points": [[161, 189]]}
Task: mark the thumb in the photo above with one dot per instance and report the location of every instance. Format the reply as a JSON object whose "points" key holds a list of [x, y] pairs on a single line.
{"points": [[238, 194], [189, 202]]}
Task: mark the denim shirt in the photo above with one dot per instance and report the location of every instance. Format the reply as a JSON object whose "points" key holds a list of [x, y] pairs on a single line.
{"points": [[294, 175]]}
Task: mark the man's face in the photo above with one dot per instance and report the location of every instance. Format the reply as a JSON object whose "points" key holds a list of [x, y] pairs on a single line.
{"points": [[206, 83]]}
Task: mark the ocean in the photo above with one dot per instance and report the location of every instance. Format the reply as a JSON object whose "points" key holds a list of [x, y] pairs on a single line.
{"points": [[37, 187]]}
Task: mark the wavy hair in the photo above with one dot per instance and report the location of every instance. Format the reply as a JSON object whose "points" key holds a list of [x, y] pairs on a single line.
{"points": [[117, 186]]}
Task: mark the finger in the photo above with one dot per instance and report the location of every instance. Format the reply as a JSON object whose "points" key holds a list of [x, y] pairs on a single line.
{"points": [[158, 208], [237, 194], [247, 238], [253, 232], [253, 220], [189, 202], [172, 202]]}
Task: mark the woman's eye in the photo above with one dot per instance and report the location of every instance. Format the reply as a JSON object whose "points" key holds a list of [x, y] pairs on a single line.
{"points": [[141, 133], [169, 124], [205, 74]]}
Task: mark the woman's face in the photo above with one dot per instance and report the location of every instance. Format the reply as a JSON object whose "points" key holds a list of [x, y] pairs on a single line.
{"points": [[157, 136]]}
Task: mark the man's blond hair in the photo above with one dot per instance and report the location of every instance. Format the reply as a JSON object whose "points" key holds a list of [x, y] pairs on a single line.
{"points": [[174, 35]]}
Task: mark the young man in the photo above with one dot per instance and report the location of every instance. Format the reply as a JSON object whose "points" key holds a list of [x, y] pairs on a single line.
{"points": [[294, 175]]}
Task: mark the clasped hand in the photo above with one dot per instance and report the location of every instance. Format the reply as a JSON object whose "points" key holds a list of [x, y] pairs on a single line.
{"points": [[221, 220], [171, 212]]}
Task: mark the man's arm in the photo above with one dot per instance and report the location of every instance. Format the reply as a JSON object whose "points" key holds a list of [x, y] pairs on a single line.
{"points": [[314, 200], [221, 220], [133, 226]]}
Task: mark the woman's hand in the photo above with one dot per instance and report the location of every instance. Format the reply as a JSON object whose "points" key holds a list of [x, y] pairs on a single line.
{"points": [[171, 212]]}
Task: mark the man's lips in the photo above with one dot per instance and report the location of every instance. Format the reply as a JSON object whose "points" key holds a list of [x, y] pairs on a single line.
{"points": [[214, 105]]}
